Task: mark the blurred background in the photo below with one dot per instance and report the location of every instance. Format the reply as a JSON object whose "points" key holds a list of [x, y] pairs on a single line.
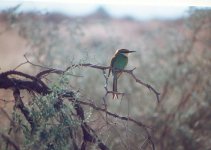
{"points": [[173, 54]]}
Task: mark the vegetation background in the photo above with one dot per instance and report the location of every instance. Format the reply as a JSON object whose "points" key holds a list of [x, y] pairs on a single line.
{"points": [[174, 56]]}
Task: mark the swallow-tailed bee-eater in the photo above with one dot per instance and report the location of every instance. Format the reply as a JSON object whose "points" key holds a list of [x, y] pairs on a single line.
{"points": [[118, 62]]}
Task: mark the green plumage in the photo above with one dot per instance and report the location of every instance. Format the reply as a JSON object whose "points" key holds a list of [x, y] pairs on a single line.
{"points": [[119, 61]]}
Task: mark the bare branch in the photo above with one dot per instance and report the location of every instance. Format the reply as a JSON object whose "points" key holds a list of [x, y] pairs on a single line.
{"points": [[89, 134], [113, 115], [10, 141], [144, 84], [34, 83], [30, 83], [145, 127], [103, 68], [19, 104]]}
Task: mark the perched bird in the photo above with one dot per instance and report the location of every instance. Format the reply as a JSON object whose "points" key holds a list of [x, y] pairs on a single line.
{"points": [[118, 62]]}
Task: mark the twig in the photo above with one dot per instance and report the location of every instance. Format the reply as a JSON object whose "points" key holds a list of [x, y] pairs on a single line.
{"points": [[130, 72], [42, 88], [89, 134], [27, 61], [30, 83], [103, 68], [19, 104], [112, 114], [10, 141], [144, 84]]}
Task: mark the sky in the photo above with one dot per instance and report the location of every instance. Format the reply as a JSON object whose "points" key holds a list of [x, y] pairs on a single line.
{"points": [[138, 9]]}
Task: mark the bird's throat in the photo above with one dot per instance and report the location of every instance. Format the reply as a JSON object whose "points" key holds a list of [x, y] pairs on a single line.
{"points": [[126, 54]]}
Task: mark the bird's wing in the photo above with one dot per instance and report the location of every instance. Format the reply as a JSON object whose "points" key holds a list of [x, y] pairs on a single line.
{"points": [[111, 65]]}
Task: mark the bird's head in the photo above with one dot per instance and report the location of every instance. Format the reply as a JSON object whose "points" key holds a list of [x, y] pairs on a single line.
{"points": [[124, 51]]}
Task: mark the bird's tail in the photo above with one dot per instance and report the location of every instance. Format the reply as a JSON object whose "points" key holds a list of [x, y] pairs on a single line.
{"points": [[115, 95]]}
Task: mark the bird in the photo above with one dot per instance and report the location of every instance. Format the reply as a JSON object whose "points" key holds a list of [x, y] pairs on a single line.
{"points": [[118, 62]]}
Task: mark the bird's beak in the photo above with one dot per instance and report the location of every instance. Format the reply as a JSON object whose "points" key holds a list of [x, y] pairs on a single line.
{"points": [[131, 51]]}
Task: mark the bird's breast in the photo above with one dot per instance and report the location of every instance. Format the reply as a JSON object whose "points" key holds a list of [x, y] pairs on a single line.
{"points": [[120, 61]]}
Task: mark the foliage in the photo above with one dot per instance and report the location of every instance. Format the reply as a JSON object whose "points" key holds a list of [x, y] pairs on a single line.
{"points": [[173, 55]]}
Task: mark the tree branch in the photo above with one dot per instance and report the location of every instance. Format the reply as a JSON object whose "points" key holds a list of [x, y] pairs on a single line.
{"points": [[130, 72], [19, 104], [30, 83], [10, 141], [58, 71], [34, 83], [112, 114]]}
